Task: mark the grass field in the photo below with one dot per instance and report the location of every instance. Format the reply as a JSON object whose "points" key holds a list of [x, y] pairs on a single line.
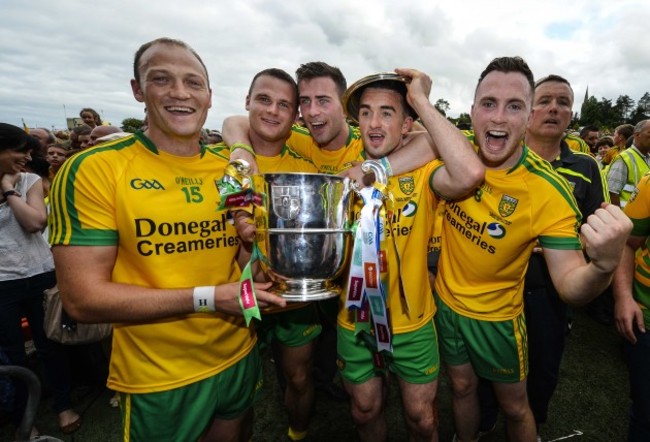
{"points": [[592, 397]]}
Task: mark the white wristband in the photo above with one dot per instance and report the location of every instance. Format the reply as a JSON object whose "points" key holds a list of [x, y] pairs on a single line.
{"points": [[384, 162], [204, 299]]}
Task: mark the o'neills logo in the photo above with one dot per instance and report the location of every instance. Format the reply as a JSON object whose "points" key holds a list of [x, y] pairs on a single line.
{"points": [[247, 298], [356, 288], [370, 272]]}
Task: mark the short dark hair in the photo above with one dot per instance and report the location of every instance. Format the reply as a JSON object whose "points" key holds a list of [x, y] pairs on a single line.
{"points": [[280, 75], [555, 79], [317, 69], [508, 64], [590, 128], [167, 41]]}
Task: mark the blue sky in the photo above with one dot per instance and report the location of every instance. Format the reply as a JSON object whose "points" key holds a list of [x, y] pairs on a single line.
{"points": [[77, 54]]}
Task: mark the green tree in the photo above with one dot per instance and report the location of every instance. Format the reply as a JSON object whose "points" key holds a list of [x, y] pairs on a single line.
{"points": [[644, 103], [625, 105], [590, 111], [638, 114], [442, 105], [131, 125], [464, 121]]}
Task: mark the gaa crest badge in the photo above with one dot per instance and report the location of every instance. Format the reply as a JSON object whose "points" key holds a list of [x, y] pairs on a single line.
{"points": [[507, 205]]}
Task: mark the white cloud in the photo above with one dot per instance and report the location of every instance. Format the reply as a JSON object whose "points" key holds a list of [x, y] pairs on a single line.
{"points": [[79, 54]]}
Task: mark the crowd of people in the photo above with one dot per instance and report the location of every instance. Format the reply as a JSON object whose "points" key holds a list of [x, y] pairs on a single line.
{"points": [[500, 228]]}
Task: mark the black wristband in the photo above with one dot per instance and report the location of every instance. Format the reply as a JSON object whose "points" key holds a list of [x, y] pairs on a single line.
{"points": [[12, 192]]}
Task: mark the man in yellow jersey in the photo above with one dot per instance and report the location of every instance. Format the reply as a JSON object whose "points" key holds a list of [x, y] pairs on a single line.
{"points": [[487, 241], [138, 241], [332, 148], [546, 313], [632, 296], [629, 166], [328, 139], [405, 309], [333, 145], [272, 104]]}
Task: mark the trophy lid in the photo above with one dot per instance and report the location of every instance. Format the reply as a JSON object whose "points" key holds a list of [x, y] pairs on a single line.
{"points": [[352, 95]]}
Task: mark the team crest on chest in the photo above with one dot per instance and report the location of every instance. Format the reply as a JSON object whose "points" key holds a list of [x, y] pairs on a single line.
{"points": [[507, 205], [407, 185]]}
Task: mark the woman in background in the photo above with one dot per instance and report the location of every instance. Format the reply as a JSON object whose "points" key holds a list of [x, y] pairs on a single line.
{"points": [[26, 270]]}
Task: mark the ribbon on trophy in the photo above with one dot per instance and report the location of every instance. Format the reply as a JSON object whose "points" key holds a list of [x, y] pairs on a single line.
{"points": [[247, 298], [235, 186], [237, 192], [367, 293]]}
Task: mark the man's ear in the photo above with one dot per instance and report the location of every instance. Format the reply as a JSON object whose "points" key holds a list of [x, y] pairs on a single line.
{"points": [[407, 125], [137, 91], [248, 102]]}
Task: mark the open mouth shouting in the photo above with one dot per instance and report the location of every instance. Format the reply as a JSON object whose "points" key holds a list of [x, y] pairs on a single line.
{"points": [[496, 140], [376, 139]]}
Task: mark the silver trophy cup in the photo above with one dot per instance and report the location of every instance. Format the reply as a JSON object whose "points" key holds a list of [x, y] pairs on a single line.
{"points": [[303, 232]]}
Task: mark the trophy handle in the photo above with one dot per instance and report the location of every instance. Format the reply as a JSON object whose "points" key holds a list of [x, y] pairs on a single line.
{"points": [[373, 166]]}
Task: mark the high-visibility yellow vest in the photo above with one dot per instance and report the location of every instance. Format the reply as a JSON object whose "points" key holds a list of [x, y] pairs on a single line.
{"points": [[636, 168]]}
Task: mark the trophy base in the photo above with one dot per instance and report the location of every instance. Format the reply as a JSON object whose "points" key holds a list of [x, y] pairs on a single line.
{"points": [[305, 290]]}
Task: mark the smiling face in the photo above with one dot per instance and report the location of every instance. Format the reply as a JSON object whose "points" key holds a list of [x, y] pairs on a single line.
{"points": [[382, 121], [499, 115], [321, 109], [88, 119], [12, 161], [174, 87], [271, 108], [552, 111]]}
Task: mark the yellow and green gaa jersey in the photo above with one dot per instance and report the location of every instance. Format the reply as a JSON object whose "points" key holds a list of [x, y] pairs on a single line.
{"points": [[576, 143], [487, 238], [638, 209], [327, 161], [160, 212], [410, 228], [287, 161]]}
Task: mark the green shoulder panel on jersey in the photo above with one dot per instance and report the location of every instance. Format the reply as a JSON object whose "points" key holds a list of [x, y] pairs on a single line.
{"points": [[355, 133], [300, 129], [288, 151], [544, 170], [220, 149], [62, 198]]}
